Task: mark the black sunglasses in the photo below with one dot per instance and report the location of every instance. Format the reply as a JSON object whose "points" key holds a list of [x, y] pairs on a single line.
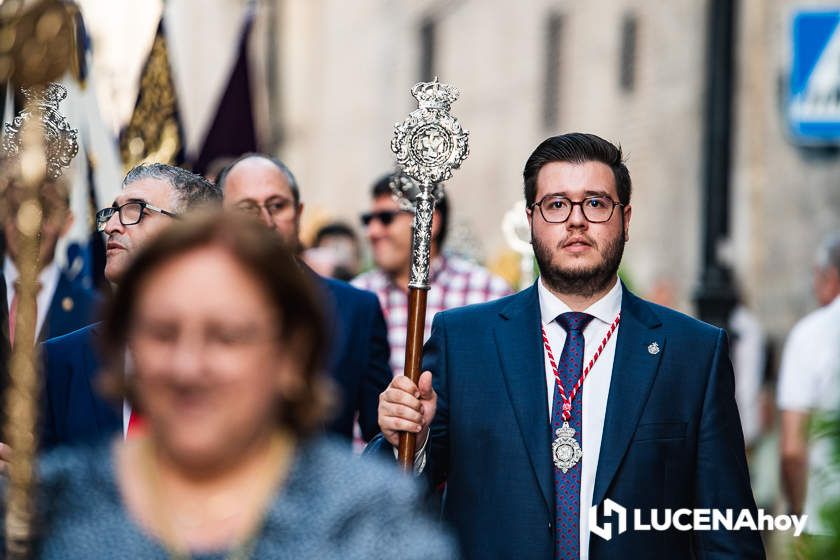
{"points": [[384, 216]]}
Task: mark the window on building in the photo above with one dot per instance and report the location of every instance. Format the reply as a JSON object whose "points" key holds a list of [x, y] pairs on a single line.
{"points": [[553, 67], [428, 33], [627, 59]]}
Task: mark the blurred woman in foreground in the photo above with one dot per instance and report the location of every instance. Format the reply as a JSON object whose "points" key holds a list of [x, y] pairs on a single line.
{"points": [[217, 340]]}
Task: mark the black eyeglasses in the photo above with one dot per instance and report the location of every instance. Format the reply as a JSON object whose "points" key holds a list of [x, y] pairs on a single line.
{"points": [[384, 216], [130, 213], [556, 209]]}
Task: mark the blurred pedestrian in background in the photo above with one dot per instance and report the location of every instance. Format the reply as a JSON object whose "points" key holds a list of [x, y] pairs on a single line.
{"points": [[809, 398], [335, 252]]}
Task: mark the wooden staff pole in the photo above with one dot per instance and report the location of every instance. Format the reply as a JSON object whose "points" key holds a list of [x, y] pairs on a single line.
{"points": [[418, 287], [413, 356]]}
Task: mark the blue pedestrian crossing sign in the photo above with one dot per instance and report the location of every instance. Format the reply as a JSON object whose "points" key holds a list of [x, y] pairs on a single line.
{"points": [[814, 96]]}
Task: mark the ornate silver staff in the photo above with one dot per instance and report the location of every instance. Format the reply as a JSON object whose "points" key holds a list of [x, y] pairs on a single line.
{"points": [[428, 145]]}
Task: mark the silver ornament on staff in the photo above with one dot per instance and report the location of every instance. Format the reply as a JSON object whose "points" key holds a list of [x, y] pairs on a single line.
{"points": [[428, 145]]}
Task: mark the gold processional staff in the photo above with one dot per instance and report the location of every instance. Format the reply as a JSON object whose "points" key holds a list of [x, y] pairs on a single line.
{"points": [[37, 47]]}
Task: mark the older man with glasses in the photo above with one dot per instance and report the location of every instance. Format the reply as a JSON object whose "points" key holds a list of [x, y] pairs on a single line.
{"points": [[152, 196], [264, 188]]}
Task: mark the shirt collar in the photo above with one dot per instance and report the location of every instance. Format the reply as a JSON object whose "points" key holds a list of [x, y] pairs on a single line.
{"points": [[10, 272], [605, 309], [48, 277]]}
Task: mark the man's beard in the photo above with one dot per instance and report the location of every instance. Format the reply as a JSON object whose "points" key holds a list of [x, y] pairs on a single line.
{"points": [[584, 282]]}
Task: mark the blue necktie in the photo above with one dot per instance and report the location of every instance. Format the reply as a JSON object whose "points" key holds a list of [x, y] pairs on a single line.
{"points": [[567, 485]]}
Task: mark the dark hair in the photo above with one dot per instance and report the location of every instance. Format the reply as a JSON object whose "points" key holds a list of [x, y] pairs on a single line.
{"points": [[191, 190], [261, 252], [334, 228], [282, 167], [577, 147], [382, 187]]}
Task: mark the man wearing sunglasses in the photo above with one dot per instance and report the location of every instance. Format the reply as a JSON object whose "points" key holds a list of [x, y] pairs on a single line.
{"points": [[454, 281], [152, 196]]}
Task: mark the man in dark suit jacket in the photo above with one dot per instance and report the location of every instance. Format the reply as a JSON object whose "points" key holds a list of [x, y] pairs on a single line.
{"points": [[653, 426], [266, 189], [152, 195]]}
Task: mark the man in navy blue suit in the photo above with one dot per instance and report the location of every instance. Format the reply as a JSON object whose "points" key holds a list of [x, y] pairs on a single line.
{"points": [[265, 188], [152, 195], [575, 391]]}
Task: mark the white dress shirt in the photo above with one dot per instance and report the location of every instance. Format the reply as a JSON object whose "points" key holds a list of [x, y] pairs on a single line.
{"points": [[595, 389], [49, 283]]}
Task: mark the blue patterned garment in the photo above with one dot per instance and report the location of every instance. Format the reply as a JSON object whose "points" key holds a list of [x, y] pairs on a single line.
{"points": [[333, 505], [567, 485]]}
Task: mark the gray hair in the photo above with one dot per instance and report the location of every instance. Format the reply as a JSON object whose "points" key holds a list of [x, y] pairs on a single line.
{"points": [[828, 254], [191, 190], [282, 167]]}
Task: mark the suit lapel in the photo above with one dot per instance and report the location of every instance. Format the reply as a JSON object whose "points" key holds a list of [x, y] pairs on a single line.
{"points": [[634, 370], [108, 413], [522, 365], [53, 319]]}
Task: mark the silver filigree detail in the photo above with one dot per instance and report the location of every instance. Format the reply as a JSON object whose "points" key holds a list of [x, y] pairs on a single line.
{"points": [[565, 449], [421, 240], [406, 190], [430, 143], [60, 144]]}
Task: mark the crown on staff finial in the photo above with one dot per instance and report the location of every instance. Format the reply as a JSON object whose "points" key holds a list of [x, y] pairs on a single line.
{"points": [[430, 142], [60, 144], [435, 95]]}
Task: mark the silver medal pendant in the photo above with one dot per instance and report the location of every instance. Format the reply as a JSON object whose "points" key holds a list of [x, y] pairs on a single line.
{"points": [[565, 448]]}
